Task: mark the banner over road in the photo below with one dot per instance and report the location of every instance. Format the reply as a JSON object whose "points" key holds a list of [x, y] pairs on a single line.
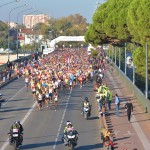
{"points": [[66, 38]]}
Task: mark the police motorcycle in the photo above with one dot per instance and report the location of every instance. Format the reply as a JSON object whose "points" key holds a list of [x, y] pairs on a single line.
{"points": [[86, 112], [16, 135], [70, 137], [14, 138], [72, 142], [86, 109]]}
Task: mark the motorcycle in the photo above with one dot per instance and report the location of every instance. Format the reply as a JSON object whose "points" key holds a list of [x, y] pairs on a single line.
{"points": [[72, 142], [14, 139], [86, 112], [1, 100]]}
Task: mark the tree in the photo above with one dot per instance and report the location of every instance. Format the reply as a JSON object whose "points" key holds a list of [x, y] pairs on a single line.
{"points": [[115, 25], [138, 57], [94, 53], [73, 25], [3, 35], [138, 21], [92, 36], [95, 33]]}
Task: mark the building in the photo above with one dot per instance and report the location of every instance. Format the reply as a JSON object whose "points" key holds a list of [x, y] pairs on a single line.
{"points": [[31, 20], [29, 36]]}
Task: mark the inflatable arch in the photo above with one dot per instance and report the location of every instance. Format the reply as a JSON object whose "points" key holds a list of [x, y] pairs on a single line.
{"points": [[53, 42], [65, 38]]}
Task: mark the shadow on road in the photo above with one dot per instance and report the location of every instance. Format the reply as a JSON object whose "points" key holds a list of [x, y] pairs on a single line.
{"points": [[38, 145], [6, 118], [90, 147], [18, 109], [94, 118]]}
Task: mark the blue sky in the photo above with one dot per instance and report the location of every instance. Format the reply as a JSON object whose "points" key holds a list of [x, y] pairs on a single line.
{"points": [[54, 8]]}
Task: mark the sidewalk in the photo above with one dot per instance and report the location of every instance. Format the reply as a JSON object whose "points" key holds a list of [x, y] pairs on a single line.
{"points": [[128, 136]]}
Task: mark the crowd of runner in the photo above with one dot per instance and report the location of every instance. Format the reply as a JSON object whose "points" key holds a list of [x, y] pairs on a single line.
{"points": [[50, 73]]}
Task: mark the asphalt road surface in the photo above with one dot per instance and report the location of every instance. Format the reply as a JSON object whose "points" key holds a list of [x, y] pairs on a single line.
{"points": [[43, 129]]}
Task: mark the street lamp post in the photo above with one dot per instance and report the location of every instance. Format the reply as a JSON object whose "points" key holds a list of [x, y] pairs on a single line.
{"points": [[146, 72], [115, 56], [119, 58], [17, 26], [8, 3], [134, 68], [112, 53], [125, 67], [24, 44], [9, 23], [109, 53]]}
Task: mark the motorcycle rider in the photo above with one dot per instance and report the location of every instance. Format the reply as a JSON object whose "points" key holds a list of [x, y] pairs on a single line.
{"points": [[17, 125], [85, 104], [67, 126], [70, 131], [65, 130]]}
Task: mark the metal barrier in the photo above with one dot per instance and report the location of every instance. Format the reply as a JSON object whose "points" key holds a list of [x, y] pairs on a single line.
{"points": [[134, 89]]}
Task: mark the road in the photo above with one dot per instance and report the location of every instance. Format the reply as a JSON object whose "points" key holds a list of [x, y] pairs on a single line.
{"points": [[43, 129]]}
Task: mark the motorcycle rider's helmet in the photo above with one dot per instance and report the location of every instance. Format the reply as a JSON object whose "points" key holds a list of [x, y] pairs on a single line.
{"points": [[68, 122], [86, 99], [17, 122]]}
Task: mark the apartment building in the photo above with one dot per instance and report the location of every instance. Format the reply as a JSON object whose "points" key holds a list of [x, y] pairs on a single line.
{"points": [[31, 20]]}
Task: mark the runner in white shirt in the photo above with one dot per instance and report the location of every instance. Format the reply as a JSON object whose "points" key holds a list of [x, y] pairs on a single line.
{"points": [[27, 82], [56, 100]]}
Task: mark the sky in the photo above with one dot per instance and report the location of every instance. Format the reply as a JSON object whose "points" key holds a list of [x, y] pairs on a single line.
{"points": [[54, 8]]}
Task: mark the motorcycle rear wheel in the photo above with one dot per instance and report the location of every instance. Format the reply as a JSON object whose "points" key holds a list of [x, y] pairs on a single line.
{"points": [[15, 145], [86, 116], [70, 147]]}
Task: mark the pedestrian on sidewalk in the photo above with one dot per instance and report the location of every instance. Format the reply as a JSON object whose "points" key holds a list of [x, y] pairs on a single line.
{"points": [[117, 102], [129, 108], [109, 99]]}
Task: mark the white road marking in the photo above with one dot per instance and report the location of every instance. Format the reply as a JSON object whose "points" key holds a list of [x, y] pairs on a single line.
{"points": [[22, 122], [56, 140], [135, 124]]}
